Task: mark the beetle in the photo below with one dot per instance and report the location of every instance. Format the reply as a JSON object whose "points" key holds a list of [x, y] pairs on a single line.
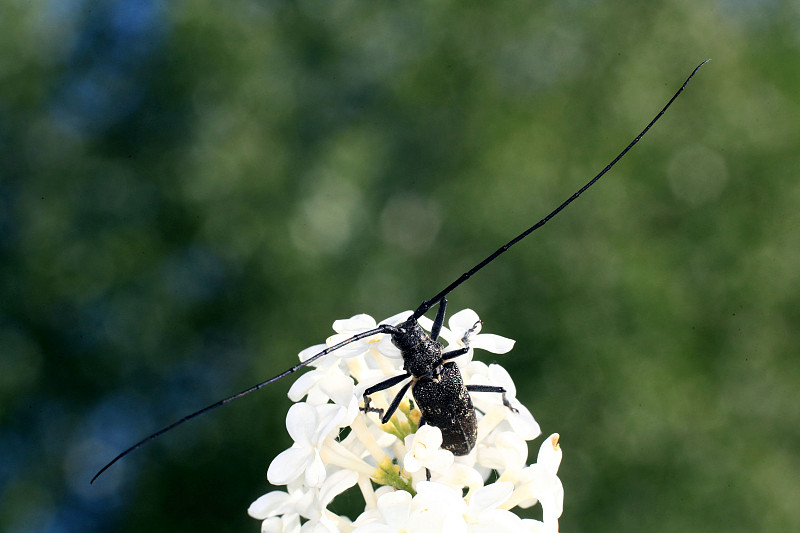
{"points": [[435, 380], [436, 383]]}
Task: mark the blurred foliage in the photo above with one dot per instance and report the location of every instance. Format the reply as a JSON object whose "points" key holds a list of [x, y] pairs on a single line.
{"points": [[192, 192]]}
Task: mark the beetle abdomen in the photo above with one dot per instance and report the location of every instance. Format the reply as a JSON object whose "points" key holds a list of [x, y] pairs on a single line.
{"points": [[446, 404]]}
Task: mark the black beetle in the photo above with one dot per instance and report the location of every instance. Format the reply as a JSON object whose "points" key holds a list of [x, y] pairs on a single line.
{"points": [[436, 383]]}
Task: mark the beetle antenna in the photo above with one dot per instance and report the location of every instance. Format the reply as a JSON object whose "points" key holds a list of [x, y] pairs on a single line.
{"points": [[421, 310], [380, 329], [427, 304]]}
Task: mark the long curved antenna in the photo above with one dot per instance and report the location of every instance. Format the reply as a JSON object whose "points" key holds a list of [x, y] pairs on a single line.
{"points": [[380, 329], [427, 304]]}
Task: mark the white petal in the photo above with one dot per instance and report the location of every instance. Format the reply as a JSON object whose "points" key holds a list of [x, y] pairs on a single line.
{"points": [[339, 388], [517, 449], [281, 524], [440, 461], [475, 373], [429, 437], [399, 318], [430, 492], [455, 523], [311, 351], [425, 322], [394, 507], [411, 464], [500, 376], [492, 458], [348, 350], [461, 475], [335, 484], [267, 505], [289, 465], [432, 508], [553, 505], [550, 454], [328, 415], [490, 496], [303, 384], [534, 526], [424, 449], [386, 348], [452, 339], [319, 527], [463, 321], [523, 423], [354, 324], [351, 412], [315, 471], [537, 483], [506, 451], [272, 525], [552, 501], [301, 421], [497, 521], [374, 527], [492, 343]]}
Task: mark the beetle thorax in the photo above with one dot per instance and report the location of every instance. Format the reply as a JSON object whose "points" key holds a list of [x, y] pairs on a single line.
{"points": [[421, 354]]}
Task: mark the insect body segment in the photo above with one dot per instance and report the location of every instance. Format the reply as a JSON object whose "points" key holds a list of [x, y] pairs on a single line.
{"points": [[446, 404]]}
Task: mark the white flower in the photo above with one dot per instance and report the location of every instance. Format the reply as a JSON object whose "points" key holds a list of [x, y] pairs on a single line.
{"points": [[506, 450], [278, 502], [467, 321], [548, 488], [441, 508], [281, 524], [484, 514], [280, 510], [461, 475], [309, 426], [326, 382], [358, 324], [327, 523], [437, 507], [398, 455], [425, 451], [518, 417], [391, 515], [540, 482]]}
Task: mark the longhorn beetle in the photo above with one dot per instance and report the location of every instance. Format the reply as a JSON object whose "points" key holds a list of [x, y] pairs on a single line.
{"points": [[435, 381]]}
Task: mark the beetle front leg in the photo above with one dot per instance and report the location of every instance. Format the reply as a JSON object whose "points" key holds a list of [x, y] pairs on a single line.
{"points": [[464, 340], [383, 385]]}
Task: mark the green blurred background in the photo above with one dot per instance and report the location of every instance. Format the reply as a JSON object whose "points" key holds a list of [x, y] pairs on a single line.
{"points": [[191, 192]]}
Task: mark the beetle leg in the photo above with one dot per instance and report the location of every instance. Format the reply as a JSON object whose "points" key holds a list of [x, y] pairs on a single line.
{"points": [[395, 403], [383, 385], [492, 388], [465, 340], [454, 353]]}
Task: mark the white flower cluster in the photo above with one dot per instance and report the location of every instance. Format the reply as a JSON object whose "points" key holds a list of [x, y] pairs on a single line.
{"points": [[409, 483]]}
